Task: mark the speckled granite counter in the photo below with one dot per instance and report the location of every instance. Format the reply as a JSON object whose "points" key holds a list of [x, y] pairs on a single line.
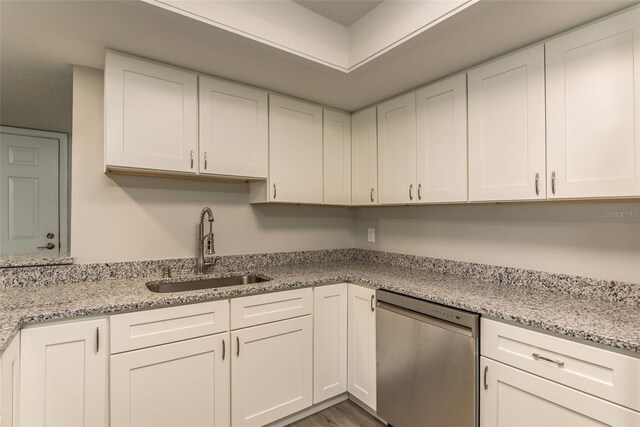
{"points": [[31, 260], [600, 321]]}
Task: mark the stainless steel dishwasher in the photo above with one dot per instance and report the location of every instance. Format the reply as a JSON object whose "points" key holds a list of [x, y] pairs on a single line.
{"points": [[427, 363]]}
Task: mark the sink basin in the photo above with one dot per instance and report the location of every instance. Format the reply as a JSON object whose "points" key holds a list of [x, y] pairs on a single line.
{"points": [[216, 282]]}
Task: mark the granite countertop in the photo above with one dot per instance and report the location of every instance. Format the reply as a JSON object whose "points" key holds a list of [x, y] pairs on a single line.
{"points": [[32, 260], [604, 322]]}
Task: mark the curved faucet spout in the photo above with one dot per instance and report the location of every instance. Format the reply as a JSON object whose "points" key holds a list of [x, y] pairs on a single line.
{"points": [[210, 250]]}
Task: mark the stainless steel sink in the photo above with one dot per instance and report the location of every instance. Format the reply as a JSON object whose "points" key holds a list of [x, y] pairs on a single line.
{"points": [[216, 282]]}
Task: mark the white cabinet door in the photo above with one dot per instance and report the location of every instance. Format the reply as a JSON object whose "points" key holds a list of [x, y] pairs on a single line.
{"points": [[179, 384], [151, 115], [362, 344], [441, 111], [511, 397], [295, 151], [397, 150], [63, 374], [329, 341], [364, 158], [272, 371], [337, 158], [234, 129], [10, 384], [593, 110], [507, 128]]}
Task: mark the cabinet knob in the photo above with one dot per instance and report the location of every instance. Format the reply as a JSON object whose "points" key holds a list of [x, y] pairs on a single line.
{"points": [[410, 191], [371, 194], [191, 155], [553, 182], [274, 191], [419, 191], [538, 184], [205, 160]]}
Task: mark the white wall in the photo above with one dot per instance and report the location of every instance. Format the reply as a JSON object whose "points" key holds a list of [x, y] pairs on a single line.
{"points": [[118, 218], [572, 238]]}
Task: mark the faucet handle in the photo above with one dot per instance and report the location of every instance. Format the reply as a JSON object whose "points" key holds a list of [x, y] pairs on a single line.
{"points": [[210, 248]]}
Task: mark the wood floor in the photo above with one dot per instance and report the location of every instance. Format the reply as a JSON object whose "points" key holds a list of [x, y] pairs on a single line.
{"points": [[344, 414]]}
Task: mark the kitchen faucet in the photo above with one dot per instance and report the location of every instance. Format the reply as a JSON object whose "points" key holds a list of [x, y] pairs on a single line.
{"points": [[201, 263]]}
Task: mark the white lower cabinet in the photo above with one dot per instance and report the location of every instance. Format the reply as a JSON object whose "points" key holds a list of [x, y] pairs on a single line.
{"points": [[329, 341], [63, 376], [362, 344], [185, 383], [272, 371], [10, 383], [512, 397]]}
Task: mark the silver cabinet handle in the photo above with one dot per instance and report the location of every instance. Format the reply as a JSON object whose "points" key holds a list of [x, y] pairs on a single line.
{"points": [[372, 302], [47, 246], [97, 339], [224, 350], [538, 184], [274, 191], [410, 191], [205, 160], [191, 155], [237, 346], [553, 182], [371, 194], [419, 191], [536, 356], [486, 385]]}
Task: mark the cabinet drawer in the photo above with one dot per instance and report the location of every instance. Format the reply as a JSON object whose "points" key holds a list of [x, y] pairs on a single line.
{"points": [[140, 329], [611, 376], [259, 309]]}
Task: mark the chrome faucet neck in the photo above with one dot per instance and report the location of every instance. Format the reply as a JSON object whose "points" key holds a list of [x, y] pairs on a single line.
{"points": [[201, 263]]}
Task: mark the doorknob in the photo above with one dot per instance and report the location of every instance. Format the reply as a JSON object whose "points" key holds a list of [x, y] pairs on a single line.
{"points": [[47, 246], [50, 235]]}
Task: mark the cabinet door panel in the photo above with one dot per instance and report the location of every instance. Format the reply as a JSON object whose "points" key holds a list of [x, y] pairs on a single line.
{"points": [[513, 398], [151, 115], [184, 383], [272, 371], [330, 341], [593, 109], [507, 128], [10, 384], [64, 374], [364, 158], [397, 150], [295, 151], [233, 129], [362, 344], [442, 141], [337, 158]]}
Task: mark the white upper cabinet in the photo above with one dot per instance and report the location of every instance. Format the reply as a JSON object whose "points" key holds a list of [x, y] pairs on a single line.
{"points": [[63, 374], [295, 151], [442, 141], [337, 158], [507, 128], [151, 115], [364, 158], [397, 150], [593, 110], [234, 129]]}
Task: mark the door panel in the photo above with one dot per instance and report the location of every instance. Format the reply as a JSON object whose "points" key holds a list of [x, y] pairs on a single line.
{"points": [[337, 158], [364, 158], [397, 150], [29, 203], [507, 128], [593, 110], [362, 344]]}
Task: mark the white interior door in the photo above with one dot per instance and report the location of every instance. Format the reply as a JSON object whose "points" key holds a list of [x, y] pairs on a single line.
{"points": [[441, 111], [397, 150], [29, 199], [507, 128], [234, 129], [593, 110]]}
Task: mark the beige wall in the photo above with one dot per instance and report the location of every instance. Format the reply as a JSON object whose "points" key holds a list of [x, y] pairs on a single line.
{"points": [[572, 238], [117, 218]]}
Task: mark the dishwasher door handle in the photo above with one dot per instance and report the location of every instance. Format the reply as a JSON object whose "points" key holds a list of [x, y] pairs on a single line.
{"points": [[426, 319]]}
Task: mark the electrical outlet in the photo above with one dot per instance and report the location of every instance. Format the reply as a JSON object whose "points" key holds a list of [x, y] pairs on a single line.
{"points": [[371, 235]]}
